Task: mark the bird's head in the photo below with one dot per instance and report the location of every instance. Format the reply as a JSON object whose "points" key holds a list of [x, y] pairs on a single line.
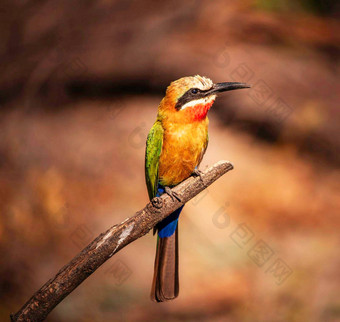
{"points": [[189, 99]]}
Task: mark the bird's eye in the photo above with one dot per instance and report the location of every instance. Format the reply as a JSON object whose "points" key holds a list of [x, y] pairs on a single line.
{"points": [[194, 91]]}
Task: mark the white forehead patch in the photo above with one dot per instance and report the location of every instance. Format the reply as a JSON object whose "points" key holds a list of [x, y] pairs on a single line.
{"points": [[203, 83], [204, 100]]}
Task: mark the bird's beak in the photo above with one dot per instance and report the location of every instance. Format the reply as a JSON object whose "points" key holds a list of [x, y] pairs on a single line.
{"points": [[227, 86]]}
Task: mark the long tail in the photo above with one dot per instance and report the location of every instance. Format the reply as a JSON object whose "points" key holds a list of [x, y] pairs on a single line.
{"points": [[165, 284]]}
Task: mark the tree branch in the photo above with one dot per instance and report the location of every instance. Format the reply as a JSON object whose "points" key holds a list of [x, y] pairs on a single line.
{"points": [[110, 242]]}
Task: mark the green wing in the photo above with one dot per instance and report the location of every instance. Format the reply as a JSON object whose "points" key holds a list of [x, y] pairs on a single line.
{"points": [[153, 151]]}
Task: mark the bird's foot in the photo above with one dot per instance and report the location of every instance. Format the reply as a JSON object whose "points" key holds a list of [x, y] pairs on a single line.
{"points": [[198, 173], [173, 195]]}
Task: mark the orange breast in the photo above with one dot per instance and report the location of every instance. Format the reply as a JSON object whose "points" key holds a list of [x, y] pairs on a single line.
{"points": [[182, 151]]}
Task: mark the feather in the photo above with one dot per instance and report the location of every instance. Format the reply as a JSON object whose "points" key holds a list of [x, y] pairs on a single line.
{"points": [[175, 147], [165, 285]]}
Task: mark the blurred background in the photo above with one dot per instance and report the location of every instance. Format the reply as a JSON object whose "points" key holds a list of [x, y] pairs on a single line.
{"points": [[80, 84]]}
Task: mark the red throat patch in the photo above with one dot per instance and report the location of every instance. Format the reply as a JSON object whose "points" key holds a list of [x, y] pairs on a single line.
{"points": [[199, 111]]}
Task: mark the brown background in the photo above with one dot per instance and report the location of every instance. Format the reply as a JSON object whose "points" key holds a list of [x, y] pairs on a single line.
{"points": [[79, 87]]}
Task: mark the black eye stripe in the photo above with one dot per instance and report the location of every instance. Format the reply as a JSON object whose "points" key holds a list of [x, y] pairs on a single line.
{"points": [[190, 96]]}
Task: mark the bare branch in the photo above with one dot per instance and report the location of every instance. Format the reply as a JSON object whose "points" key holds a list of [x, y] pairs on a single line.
{"points": [[110, 242]]}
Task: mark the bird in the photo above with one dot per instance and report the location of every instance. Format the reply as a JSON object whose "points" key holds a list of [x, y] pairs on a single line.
{"points": [[175, 147]]}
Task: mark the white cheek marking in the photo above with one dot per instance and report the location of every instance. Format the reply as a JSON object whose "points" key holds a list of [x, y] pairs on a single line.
{"points": [[204, 100]]}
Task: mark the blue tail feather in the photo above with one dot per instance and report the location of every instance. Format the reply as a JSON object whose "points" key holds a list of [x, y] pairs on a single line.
{"points": [[167, 226]]}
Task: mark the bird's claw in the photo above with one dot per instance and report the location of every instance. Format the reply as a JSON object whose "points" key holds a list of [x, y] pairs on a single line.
{"points": [[198, 173], [173, 195]]}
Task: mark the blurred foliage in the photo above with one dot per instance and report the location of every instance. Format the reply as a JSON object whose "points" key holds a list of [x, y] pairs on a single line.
{"points": [[79, 89], [321, 7]]}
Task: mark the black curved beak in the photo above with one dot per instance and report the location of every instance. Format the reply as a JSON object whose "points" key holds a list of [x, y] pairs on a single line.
{"points": [[226, 86]]}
